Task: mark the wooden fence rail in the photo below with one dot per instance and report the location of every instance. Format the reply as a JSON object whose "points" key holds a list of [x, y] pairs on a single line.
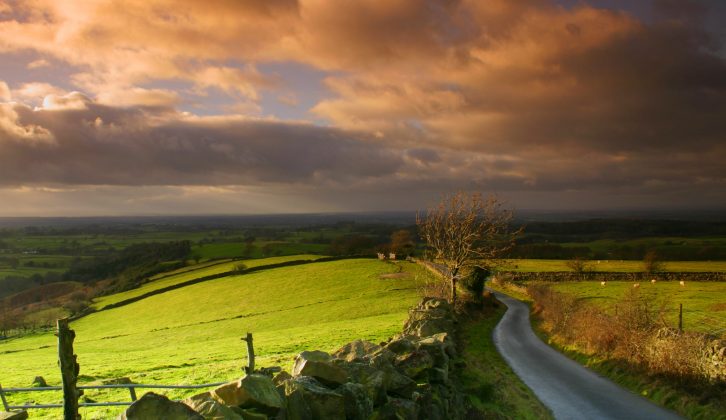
{"points": [[131, 388], [70, 368]]}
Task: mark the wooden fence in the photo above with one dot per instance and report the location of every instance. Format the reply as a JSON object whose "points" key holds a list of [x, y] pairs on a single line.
{"points": [[70, 368]]}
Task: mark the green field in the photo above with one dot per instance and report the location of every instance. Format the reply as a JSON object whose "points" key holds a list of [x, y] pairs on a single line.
{"points": [[191, 273], [192, 334], [704, 303], [627, 266]]}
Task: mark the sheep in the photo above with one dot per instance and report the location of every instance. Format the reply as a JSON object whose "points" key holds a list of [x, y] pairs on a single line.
{"points": [[682, 283], [636, 285], [602, 283], [652, 281]]}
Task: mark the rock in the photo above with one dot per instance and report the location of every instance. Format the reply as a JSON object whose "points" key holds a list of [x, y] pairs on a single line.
{"points": [[398, 409], [13, 415], [431, 316], [371, 378], [428, 326], [356, 351], [153, 406], [322, 402], [381, 358], [401, 345], [357, 404], [436, 350], [210, 408], [415, 363], [318, 365], [39, 382], [296, 408], [447, 343], [399, 384], [280, 378], [252, 391]]}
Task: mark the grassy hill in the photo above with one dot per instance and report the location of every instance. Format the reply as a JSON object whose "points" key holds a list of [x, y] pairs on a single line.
{"points": [[190, 273], [192, 334]]}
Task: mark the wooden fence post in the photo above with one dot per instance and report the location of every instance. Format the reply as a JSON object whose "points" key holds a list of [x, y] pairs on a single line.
{"points": [[250, 354], [69, 370], [2, 397], [132, 391], [680, 317]]}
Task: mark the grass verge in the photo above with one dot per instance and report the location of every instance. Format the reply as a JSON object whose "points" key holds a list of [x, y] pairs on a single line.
{"points": [[689, 400], [491, 385]]}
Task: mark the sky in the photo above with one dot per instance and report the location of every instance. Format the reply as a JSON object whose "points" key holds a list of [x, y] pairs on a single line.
{"points": [[152, 107]]}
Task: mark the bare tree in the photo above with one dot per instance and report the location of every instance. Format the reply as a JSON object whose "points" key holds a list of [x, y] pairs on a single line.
{"points": [[652, 262], [579, 265], [465, 231], [402, 242]]}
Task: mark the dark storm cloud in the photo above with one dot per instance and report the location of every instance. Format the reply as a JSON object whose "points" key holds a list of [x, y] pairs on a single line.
{"points": [[146, 146]]}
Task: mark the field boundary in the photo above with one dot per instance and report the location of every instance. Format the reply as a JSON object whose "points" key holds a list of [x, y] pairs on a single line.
{"points": [[221, 275], [565, 276]]}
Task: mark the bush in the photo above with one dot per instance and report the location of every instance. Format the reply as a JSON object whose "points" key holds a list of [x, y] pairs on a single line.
{"points": [[474, 282]]}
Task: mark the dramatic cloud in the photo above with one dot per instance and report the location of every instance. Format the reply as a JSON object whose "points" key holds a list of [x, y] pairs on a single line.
{"points": [[95, 144], [404, 98]]}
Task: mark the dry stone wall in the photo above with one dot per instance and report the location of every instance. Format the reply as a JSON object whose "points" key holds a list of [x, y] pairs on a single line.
{"points": [[411, 376]]}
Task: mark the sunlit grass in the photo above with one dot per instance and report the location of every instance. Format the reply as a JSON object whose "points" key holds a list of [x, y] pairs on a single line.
{"points": [[192, 334]]}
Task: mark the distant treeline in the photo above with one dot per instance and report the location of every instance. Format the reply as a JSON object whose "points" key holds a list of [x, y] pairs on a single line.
{"points": [[590, 230], [131, 265]]}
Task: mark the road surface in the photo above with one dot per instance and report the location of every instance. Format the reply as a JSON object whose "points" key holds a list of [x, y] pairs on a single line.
{"points": [[570, 390]]}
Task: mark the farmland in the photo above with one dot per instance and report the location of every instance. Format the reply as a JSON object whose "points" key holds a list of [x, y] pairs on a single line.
{"points": [[626, 266], [192, 334], [704, 303]]}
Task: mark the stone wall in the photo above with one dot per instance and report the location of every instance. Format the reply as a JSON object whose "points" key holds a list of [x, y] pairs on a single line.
{"points": [[714, 360], [408, 377], [558, 276]]}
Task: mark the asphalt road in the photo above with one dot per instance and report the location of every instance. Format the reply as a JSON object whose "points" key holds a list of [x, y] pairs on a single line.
{"points": [[570, 390]]}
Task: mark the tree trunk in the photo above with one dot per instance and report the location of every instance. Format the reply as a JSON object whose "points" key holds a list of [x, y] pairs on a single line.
{"points": [[453, 291]]}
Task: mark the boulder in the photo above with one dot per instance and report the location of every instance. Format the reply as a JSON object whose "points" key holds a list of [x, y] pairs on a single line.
{"points": [[415, 363], [210, 408], [154, 406], [323, 403], [252, 391], [358, 406], [356, 351], [318, 365], [13, 415]]}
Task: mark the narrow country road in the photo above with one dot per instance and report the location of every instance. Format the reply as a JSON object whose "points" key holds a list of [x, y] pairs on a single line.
{"points": [[570, 390]]}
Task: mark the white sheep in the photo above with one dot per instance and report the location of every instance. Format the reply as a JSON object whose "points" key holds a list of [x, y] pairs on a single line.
{"points": [[636, 285], [682, 283], [652, 281], [602, 283]]}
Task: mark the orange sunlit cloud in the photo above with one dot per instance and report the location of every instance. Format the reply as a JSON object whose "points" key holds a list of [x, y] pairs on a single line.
{"points": [[398, 100]]}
